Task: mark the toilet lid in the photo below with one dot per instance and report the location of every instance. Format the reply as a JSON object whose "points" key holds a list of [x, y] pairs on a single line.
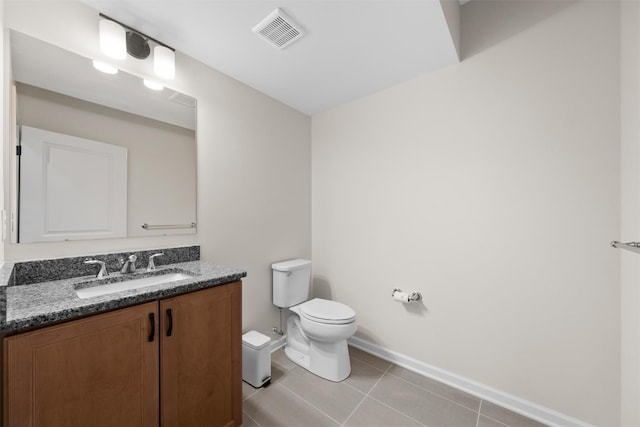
{"points": [[326, 311]]}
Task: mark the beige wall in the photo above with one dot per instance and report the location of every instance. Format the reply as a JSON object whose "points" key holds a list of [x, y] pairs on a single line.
{"points": [[4, 120], [630, 212], [492, 187], [253, 164]]}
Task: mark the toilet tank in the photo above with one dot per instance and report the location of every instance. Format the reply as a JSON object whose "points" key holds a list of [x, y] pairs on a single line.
{"points": [[291, 280]]}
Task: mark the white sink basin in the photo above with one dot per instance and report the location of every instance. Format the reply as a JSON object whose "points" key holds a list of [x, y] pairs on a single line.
{"points": [[126, 285]]}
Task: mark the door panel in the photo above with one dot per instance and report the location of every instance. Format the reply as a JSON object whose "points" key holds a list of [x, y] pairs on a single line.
{"points": [[201, 360], [98, 371], [71, 188]]}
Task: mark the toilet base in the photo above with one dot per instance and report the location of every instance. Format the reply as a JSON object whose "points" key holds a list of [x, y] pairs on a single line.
{"points": [[326, 360], [330, 366], [297, 357]]}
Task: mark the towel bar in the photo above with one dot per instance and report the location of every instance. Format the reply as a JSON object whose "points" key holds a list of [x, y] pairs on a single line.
{"points": [[167, 226], [630, 246]]}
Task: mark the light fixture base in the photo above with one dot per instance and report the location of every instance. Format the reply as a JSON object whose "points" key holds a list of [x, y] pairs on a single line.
{"points": [[137, 45]]}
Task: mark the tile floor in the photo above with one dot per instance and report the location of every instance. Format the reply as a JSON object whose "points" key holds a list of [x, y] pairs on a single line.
{"points": [[377, 393]]}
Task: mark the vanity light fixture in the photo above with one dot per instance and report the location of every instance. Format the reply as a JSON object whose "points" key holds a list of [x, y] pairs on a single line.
{"points": [[152, 85], [104, 67], [118, 39], [112, 39], [164, 62]]}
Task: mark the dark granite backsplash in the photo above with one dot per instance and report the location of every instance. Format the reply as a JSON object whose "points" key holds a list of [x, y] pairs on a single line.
{"points": [[25, 273]]}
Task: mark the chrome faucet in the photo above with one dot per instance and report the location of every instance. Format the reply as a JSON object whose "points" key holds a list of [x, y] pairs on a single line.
{"points": [[103, 268], [152, 265], [130, 265]]}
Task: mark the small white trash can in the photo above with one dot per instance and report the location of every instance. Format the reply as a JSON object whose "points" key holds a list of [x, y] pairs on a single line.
{"points": [[256, 359]]}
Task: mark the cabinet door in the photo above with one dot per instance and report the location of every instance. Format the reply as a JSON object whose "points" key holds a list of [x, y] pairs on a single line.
{"points": [[200, 353], [97, 371]]}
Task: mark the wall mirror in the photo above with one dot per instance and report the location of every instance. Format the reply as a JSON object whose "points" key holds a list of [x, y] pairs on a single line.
{"points": [[100, 155]]}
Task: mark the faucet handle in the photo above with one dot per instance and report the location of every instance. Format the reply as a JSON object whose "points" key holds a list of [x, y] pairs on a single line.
{"points": [[129, 266], [103, 267], [152, 265]]}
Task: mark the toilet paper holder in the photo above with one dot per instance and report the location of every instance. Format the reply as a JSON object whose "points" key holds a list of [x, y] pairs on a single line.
{"points": [[398, 295]]}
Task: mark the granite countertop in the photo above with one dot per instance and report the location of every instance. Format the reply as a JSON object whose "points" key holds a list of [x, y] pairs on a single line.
{"points": [[39, 304]]}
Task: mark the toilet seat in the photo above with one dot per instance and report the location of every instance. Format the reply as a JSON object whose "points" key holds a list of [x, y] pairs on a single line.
{"points": [[326, 311]]}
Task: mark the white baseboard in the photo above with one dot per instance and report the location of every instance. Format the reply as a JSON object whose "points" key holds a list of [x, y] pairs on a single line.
{"points": [[513, 403], [278, 343]]}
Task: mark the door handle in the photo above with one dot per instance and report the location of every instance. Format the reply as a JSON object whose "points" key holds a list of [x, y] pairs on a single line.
{"points": [[152, 321], [170, 327]]}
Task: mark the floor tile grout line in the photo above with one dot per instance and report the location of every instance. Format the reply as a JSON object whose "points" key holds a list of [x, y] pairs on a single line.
{"points": [[426, 389], [479, 410], [369, 364], [480, 414], [252, 394], [411, 382], [364, 396], [251, 418], [284, 369], [397, 410], [502, 423], [367, 394], [356, 389], [437, 394], [311, 404], [354, 410]]}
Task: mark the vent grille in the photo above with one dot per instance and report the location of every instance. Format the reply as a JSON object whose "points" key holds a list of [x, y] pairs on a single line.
{"points": [[183, 99], [278, 29]]}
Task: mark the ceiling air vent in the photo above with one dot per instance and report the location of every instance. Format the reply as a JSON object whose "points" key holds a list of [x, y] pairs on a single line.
{"points": [[278, 29]]}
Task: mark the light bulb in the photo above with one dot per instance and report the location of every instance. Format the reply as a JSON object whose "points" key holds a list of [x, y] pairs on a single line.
{"points": [[164, 62], [153, 85], [113, 42], [104, 67]]}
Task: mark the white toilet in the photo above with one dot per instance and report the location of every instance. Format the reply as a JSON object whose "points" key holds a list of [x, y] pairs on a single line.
{"points": [[317, 330]]}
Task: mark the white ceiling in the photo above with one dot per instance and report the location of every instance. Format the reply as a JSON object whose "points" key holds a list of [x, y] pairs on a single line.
{"points": [[350, 49]]}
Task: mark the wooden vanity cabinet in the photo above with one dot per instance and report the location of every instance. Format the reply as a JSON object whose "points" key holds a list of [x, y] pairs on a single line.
{"points": [[98, 368], [176, 362], [201, 358]]}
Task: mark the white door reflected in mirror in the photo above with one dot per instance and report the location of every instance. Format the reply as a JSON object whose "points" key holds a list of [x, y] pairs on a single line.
{"points": [[72, 188]]}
